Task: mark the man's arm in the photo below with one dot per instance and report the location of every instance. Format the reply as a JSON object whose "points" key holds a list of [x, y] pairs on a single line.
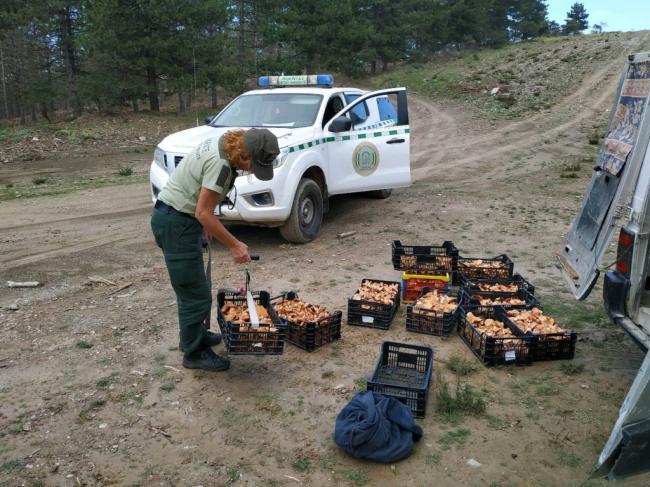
{"points": [[205, 215]]}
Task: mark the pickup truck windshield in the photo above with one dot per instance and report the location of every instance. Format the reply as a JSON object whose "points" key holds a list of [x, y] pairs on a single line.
{"points": [[270, 110]]}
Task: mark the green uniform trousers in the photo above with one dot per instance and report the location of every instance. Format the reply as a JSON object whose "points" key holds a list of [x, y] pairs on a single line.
{"points": [[179, 237]]}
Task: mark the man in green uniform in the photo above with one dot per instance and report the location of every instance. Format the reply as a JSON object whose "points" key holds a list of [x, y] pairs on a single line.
{"points": [[184, 212]]}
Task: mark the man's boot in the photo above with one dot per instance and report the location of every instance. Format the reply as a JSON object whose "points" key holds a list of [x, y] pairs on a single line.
{"points": [[205, 359]]}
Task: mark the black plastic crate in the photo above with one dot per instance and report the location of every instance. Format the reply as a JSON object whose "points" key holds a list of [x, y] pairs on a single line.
{"points": [[372, 314], [242, 339], [485, 271], [403, 371], [438, 323], [470, 299], [552, 346], [314, 334], [424, 259], [474, 283], [493, 351]]}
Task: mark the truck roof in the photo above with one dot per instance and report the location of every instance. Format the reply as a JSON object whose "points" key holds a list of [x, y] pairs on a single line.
{"points": [[303, 90]]}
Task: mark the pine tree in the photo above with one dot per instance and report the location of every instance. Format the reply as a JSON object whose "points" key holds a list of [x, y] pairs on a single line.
{"points": [[576, 20], [527, 19]]}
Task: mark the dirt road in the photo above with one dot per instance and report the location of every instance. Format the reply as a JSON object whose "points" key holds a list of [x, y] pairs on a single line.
{"points": [[92, 393]]}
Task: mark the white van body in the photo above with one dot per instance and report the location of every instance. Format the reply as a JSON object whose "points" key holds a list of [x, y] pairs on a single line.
{"points": [[618, 197]]}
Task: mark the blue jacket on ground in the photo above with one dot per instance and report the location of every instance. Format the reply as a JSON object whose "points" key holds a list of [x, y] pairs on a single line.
{"points": [[376, 427]]}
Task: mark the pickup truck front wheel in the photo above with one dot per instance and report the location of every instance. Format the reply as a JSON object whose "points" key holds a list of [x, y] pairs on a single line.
{"points": [[306, 215]]}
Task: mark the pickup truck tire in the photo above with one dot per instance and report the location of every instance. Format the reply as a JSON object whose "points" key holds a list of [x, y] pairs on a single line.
{"points": [[380, 194], [306, 215]]}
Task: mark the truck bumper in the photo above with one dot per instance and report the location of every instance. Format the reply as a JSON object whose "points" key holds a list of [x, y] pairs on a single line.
{"points": [[615, 289], [247, 208]]}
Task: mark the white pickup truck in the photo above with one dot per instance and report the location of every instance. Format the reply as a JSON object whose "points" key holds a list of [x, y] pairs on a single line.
{"points": [[618, 196], [332, 141]]}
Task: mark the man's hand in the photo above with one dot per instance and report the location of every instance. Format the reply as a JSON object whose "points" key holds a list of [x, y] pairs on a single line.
{"points": [[239, 253]]}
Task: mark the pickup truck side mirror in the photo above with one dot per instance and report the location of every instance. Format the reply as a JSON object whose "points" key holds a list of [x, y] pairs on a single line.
{"points": [[209, 119], [341, 124]]}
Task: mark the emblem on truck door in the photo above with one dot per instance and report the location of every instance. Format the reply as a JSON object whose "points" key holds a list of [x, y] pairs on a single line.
{"points": [[365, 158]]}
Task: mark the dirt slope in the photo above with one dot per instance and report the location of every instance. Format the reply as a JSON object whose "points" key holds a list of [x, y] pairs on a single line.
{"points": [[91, 391]]}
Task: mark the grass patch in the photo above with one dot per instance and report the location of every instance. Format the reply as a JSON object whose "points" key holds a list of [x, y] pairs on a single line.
{"points": [[12, 466], [357, 476], [577, 315], [301, 464], [14, 135], [545, 390], [453, 406], [497, 423], [124, 171], [168, 387], [569, 459], [233, 475], [84, 344], [328, 374], [532, 408], [104, 382], [432, 459], [74, 136], [460, 366], [454, 438], [572, 167], [134, 396], [360, 383], [39, 181], [160, 372], [571, 368]]}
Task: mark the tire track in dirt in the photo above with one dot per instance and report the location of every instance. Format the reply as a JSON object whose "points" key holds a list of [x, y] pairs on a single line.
{"points": [[13, 261], [522, 135], [82, 219], [63, 227]]}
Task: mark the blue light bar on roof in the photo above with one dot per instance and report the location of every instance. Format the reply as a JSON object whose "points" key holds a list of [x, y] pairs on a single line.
{"points": [[299, 80]]}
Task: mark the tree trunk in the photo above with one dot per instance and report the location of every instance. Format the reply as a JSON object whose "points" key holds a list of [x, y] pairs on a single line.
{"points": [[152, 84], [44, 112], [242, 42], [373, 66], [33, 112], [135, 105], [67, 45], [4, 85], [181, 102], [384, 65], [213, 95]]}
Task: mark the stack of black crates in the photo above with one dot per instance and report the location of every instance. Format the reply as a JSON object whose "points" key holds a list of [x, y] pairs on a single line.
{"points": [[469, 277]]}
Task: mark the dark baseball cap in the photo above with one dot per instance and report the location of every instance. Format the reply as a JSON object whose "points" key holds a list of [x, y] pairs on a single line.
{"points": [[262, 147]]}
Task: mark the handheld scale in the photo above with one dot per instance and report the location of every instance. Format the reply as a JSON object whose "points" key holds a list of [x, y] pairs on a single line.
{"points": [[252, 311]]}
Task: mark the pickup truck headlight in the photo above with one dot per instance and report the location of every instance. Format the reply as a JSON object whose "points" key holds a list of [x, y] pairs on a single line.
{"points": [[281, 159], [159, 157]]}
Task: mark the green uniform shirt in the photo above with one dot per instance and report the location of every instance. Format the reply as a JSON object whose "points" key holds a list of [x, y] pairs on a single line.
{"points": [[203, 167]]}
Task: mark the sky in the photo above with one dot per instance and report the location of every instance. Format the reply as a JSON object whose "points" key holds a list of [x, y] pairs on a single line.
{"points": [[621, 15]]}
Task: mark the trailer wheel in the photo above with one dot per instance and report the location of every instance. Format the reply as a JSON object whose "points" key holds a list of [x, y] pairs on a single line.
{"points": [[306, 215]]}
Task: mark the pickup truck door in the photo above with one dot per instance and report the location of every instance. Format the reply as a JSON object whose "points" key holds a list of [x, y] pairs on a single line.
{"points": [[614, 176], [374, 152]]}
